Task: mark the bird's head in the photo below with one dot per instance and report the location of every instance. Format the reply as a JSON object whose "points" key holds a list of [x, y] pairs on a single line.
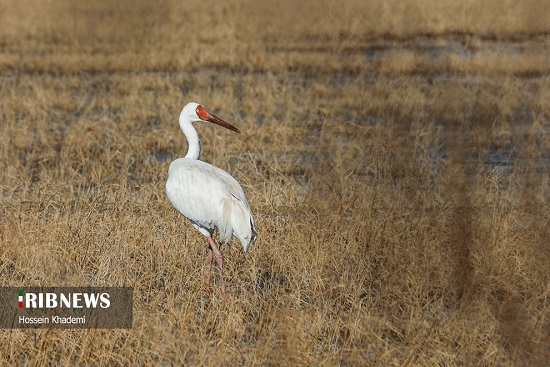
{"points": [[193, 112]]}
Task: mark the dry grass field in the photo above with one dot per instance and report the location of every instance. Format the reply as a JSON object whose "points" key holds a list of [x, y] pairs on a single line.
{"points": [[396, 156]]}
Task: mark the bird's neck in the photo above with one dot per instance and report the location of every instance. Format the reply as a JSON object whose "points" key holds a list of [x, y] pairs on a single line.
{"points": [[193, 140]]}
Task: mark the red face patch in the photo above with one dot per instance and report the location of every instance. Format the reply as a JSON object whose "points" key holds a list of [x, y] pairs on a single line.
{"points": [[201, 112]]}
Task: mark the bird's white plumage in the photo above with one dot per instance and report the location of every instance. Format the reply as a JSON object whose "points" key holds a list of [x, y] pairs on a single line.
{"points": [[207, 195], [210, 197]]}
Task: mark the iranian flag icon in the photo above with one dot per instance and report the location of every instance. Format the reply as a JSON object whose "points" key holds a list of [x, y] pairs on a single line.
{"points": [[20, 298]]}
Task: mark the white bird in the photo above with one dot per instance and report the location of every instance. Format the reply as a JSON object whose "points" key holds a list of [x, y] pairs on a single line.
{"points": [[207, 195]]}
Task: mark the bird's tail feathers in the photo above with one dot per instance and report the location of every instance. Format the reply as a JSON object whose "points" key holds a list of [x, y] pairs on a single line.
{"points": [[241, 222]]}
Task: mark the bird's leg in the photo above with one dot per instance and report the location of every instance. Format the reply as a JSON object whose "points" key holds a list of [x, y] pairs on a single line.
{"points": [[218, 256], [208, 266]]}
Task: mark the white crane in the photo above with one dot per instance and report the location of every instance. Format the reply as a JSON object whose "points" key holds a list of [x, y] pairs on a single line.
{"points": [[207, 195]]}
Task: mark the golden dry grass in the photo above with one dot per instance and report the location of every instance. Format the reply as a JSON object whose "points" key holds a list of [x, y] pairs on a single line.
{"points": [[396, 156]]}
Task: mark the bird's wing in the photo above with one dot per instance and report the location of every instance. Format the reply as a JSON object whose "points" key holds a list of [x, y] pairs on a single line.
{"points": [[242, 220]]}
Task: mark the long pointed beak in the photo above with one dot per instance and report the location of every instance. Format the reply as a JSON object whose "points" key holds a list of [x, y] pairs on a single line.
{"points": [[218, 121]]}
